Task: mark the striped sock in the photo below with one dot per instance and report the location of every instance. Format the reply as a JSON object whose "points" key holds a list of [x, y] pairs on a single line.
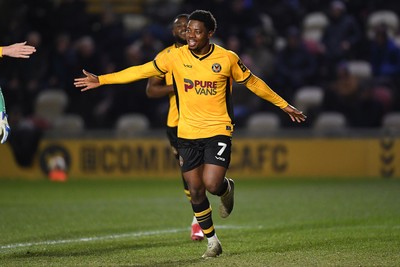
{"points": [[203, 213]]}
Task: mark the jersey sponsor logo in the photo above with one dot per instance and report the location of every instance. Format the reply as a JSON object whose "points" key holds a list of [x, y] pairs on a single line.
{"points": [[242, 66], [187, 66], [201, 87], [188, 84], [216, 67]]}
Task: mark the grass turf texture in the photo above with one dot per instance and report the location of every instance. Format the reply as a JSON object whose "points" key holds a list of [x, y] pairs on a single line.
{"points": [[146, 223]]}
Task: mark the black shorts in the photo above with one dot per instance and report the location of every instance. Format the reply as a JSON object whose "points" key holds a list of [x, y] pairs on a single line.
{"points": [[214, 150], [172, 134]]}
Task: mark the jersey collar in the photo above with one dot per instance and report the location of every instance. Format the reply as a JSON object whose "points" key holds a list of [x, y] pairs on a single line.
{"points": [[204, 56]]}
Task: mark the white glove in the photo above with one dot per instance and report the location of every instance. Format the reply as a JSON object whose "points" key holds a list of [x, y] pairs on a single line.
{"points": [[4, 127]]}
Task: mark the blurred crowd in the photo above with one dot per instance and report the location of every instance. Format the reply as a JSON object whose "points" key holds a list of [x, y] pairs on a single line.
{"points": [[268, 35]]}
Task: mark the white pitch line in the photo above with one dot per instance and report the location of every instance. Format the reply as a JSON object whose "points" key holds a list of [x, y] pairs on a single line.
{"points": [[106, 237]]}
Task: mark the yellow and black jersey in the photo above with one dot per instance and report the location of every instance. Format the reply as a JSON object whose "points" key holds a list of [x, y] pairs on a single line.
{"points": [[172, 118], [203, 87]]}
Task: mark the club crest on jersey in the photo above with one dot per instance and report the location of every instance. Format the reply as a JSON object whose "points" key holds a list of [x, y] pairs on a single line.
{"points": [[216, 67]]}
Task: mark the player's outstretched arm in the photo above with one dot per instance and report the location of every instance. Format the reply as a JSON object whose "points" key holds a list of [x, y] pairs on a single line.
{"points": [[260, 88], [156, 87], [294, 113], [18, 50], [90, 81]]}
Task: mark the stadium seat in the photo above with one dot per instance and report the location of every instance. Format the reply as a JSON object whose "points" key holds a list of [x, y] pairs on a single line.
{"points": [[360, 68], [69, 125], [267, 23], [313, 26], [391, 121], [307, 97], [131, 125], [330, 124], [262, 123], [388, 17], [134, 22], [50, 104]]}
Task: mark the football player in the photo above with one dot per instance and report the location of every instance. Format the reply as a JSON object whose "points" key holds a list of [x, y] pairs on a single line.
{"points": [[202, 74], [17, 50]]}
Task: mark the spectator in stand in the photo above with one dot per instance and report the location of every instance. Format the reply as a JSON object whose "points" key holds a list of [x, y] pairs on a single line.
{"points": [[340, 38], [33, 72], [295, 65], [385, 63], [285, 13], [148, 44], [259, 50], [384, 54], [347, 95], [110, 36], [61, 60], [71, 16]]}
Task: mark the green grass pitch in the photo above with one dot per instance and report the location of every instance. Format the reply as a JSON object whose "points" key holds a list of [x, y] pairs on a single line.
{"points": [[146, 223]]}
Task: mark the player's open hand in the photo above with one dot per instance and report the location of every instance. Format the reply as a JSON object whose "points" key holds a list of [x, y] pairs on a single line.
{"points": [[18, 50], [295, 114], [90, 81]]}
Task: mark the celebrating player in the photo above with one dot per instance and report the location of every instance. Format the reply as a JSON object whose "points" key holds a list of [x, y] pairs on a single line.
{"points": [[202, 75], [161, 86], [17, 50]]}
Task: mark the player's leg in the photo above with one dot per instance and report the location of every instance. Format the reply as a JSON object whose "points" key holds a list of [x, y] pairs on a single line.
{"points": [[196, 232], [202, 210], [191, 158], [217, 184], [217, 159], [4, 127]]}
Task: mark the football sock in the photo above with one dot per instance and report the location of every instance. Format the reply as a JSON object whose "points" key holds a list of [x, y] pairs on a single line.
{"points": [[212, 238], [203, 212], [224, 187], [2, 103]]}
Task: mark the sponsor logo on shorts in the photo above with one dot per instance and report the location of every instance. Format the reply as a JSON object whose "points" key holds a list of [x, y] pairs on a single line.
{"points": [[220, 158], [180, 161]]}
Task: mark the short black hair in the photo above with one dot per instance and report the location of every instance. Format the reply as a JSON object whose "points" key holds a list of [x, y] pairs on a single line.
{"points": [[183, 15], [206, 17]]}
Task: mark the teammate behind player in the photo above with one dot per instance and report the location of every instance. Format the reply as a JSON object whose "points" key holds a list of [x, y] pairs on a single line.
{"points": [[17, 50], [202, 79], [161, 86]]}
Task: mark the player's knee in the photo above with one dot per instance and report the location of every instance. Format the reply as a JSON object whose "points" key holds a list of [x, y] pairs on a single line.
{"points": [[214, 187], [197, 196]]}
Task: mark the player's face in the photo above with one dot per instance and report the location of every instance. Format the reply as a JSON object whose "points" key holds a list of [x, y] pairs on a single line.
{"points": [[197, 37], [179, 30]]}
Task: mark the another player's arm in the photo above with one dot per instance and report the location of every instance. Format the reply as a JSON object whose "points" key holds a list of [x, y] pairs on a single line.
{"points": [[132, 74], [156, 87], [18, 50], [260, 88]]}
